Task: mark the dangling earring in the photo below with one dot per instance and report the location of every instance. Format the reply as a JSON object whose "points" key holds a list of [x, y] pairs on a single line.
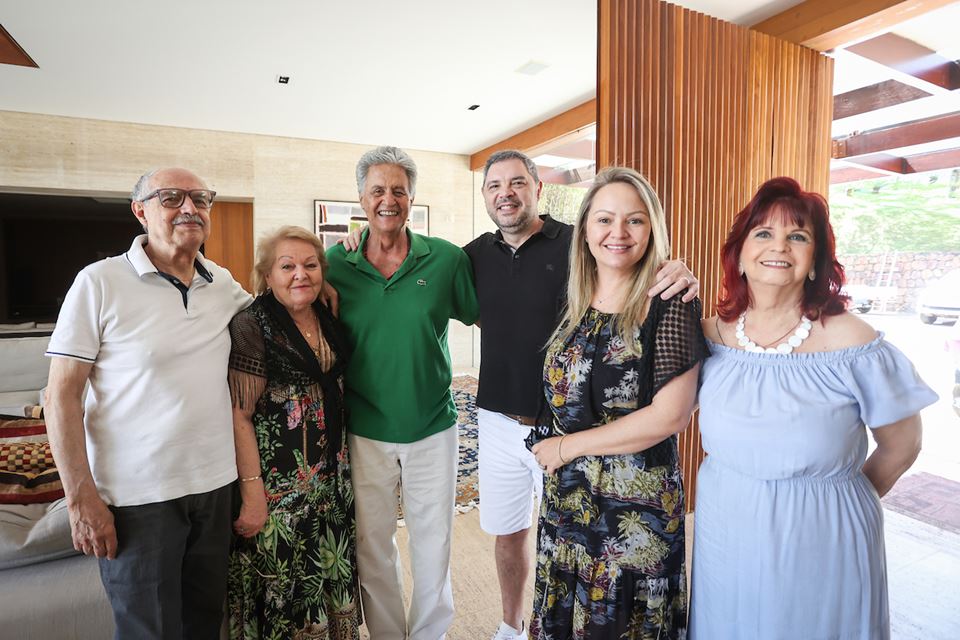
{"points": [[740, 268], [812, 275]]}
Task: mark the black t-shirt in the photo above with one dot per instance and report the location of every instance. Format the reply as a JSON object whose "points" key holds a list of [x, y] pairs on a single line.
{"points": [[521, 297]]}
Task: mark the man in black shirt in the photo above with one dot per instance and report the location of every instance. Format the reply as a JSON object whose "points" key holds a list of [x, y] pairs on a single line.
{"points": [[521, 278]]}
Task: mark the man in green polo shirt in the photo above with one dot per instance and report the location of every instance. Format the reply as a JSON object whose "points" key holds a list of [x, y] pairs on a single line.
{"points": [[397, 295]]}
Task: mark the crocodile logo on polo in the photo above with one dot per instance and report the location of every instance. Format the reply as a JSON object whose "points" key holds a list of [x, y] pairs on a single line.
{"points": [[422, 282]]}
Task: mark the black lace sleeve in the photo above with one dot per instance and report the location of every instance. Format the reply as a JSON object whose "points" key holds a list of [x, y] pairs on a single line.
{"points": [[247, 368], [678, 342], [247, 350]]}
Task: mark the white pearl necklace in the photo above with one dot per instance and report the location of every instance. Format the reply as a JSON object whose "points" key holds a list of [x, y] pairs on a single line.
{"points": [[787, 346]]}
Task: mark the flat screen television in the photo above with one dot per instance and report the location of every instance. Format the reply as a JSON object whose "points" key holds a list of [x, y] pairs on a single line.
{"points": [[45, 240]]}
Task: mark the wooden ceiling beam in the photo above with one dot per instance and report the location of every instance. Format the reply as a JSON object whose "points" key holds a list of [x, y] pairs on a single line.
{"points": [[876, 96], [12, 53], [827, 24], [578, 117], [882, 162], [911, 58], [868, 167], [852, 174], [554, 175], [933, 161], [583, 147], [907, 134]]}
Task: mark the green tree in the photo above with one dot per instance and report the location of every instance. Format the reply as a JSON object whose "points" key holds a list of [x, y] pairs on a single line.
{"points": [[903, 213], [562, 202]]}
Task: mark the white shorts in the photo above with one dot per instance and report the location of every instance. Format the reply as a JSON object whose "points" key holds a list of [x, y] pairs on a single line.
{"points": [[510, 478]]}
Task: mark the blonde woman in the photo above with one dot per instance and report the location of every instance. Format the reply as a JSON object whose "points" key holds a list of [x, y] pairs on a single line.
{"points": [[620, 381]]}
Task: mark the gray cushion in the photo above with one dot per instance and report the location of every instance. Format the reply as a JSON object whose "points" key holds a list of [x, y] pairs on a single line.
{"points": [[32, 533], [62, 600], [25, 368]]}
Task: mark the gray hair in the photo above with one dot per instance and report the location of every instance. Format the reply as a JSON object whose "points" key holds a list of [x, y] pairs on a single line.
{"points": [[511, 154], [142, 187], [387, 155]]}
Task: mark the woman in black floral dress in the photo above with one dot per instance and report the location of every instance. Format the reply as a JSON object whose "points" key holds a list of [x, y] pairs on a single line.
{"points": [[293, 569], [620, 381]]}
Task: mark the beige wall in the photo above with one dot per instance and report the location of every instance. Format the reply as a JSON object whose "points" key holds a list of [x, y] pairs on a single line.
{"points": [[282, 176]]}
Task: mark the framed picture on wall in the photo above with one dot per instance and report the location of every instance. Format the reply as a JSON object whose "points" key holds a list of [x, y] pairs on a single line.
{"points": [[334, 219], [419, 219]]}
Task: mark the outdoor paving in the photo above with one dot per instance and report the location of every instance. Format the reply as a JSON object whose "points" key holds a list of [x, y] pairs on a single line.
{"points": [[923, 573], [922, 511], [929, 498]]}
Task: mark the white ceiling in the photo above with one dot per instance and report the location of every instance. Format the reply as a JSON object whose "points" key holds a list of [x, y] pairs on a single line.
{"points": [[367, 71], [745, 12], [935, 30]]}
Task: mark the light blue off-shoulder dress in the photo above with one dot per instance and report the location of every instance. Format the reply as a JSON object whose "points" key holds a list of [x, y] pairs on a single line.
{"points": [[788, 539]]}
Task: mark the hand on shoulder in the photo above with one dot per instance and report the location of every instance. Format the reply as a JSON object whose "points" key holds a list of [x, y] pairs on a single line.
{"points": [[351, 242]]}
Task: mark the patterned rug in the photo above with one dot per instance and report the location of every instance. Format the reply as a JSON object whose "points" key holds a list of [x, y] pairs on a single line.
{"points": [[465, 396]]}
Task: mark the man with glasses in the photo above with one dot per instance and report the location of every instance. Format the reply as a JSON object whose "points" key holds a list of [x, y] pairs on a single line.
{"points": [[147, 461]]}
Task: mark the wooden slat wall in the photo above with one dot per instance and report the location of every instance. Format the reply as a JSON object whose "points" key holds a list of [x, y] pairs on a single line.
{"points": [[708, 111]]}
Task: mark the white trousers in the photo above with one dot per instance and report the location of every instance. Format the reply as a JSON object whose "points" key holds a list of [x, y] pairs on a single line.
{"points": [[426, 472]]}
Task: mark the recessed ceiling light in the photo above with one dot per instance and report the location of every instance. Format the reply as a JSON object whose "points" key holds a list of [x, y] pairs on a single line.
{"points": [[473, 107], [283, 79], [532, 68]]}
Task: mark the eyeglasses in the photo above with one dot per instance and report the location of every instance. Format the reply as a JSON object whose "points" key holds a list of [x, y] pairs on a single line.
{"points": [[173, 198]]}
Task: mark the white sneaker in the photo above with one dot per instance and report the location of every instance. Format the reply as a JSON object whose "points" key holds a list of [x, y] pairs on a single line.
{"points": [[506, 632]]}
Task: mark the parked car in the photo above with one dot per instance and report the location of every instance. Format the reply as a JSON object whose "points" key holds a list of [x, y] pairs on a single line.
{"points": [[941, 300], [861, 299], [953, 347]]}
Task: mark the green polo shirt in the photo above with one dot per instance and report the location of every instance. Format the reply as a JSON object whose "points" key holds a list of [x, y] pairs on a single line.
{"points": [[398, 380]]}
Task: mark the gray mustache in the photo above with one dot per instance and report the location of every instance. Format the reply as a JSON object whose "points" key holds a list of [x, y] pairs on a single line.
{"points": [[188, 218]]}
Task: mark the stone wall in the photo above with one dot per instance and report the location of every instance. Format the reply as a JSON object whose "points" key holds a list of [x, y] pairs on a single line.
{"points": [[911, 272]]}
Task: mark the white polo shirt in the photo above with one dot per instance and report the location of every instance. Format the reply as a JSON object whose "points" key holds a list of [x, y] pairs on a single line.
{"points": [[157, 415]]}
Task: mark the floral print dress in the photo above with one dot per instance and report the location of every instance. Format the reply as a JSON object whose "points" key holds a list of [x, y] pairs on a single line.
{"points": [[610, 553], [297, 578]]}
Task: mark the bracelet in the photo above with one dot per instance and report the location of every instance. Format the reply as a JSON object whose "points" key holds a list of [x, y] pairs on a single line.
{"points": [[250, 479], [560, 449]]}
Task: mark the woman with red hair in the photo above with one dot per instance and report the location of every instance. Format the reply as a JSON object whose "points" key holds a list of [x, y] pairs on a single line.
{"points": [[788, 538]]}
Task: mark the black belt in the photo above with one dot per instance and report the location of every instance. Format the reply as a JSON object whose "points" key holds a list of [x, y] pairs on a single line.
{"points": [[526, 421]]}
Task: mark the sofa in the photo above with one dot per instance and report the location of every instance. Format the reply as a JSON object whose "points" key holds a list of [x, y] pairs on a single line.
{"points": [[23, 367], [47, 589]]}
